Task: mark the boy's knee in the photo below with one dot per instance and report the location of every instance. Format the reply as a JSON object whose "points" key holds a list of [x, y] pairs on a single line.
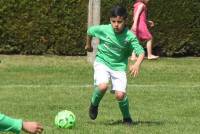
{"points": [[120, 95], [103, 87]]}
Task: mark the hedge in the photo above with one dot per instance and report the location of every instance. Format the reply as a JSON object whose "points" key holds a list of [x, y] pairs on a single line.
{"points": [[59, 26], [43, 26], [177, 27]]}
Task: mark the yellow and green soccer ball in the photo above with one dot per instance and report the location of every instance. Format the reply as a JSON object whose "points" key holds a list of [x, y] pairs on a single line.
{"points": [[65, 119]]}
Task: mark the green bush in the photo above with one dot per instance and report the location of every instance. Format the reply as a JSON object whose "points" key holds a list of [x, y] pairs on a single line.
{"points": [[177, 27], [59, 26], [43, 26]]}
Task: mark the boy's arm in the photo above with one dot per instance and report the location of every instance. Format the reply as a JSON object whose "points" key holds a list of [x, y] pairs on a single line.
{"points": [[136, 17], [88, 45], [92, 31], [16, 125], [135, 68], [10, 124], [139, 51]]}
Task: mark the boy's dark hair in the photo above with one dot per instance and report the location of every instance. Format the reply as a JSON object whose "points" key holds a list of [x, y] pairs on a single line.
{"points": [[118, 11]]}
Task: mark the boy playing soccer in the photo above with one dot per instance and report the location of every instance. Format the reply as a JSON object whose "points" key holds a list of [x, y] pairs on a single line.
{"points": [[115, 46]]}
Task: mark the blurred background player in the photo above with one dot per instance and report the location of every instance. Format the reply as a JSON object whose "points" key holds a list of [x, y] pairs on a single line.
{"points": [[140, 27]]}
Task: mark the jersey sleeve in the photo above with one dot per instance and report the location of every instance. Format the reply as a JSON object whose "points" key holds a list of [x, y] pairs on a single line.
{"points": [[95, 31], [135, 46], [10, 124]]}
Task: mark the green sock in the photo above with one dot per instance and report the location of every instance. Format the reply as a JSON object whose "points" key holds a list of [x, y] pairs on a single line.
{"points": [[97, 96], [124, 107]]}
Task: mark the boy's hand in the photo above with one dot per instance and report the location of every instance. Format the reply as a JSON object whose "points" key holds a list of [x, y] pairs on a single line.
{"points": [[89, 48], [32, 127], [134, 69]]}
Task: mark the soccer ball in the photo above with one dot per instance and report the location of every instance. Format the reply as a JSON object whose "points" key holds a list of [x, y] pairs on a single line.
{"points": [[65, 119]]}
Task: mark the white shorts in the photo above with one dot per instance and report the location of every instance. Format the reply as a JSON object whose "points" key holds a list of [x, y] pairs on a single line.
{"points": [[102, 74]]}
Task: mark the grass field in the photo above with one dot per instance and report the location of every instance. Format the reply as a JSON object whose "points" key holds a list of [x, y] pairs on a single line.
{"points": [[164, 99]]}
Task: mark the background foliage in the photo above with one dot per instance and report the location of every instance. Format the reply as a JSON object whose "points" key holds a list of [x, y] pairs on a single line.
{"points": [[177, 26], [59, 27], [42, 26]]}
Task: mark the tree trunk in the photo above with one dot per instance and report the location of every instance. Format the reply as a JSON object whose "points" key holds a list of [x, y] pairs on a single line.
{"points": [[93, 19]]}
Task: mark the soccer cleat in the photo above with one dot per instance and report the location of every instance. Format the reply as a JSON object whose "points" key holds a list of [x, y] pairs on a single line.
{"points": [[127, 121], [93, 112]]}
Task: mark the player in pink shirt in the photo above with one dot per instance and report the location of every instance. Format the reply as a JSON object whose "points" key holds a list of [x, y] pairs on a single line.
{"points": [[140, 27]]}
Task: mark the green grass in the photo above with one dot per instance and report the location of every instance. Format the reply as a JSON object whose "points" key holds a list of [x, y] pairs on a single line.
{"points": [[164, 99]]}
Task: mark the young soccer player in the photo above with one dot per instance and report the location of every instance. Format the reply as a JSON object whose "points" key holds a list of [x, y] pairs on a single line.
{"points": [[140, 27], [115, 46], [16, 125]]}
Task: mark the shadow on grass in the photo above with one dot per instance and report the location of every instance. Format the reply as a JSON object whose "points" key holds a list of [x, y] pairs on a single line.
{"points": [[149, 123]]}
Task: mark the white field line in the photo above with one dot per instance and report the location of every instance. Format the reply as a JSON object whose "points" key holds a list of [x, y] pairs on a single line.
{"points": [[88, 85]]}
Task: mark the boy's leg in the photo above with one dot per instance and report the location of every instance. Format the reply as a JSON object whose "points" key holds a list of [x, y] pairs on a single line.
{"points": [[97, 95], [101, 78], [124, 108], [119, 82]]}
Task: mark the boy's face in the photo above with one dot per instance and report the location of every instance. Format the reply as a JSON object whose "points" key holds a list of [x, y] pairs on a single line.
{"points": [[118, 23]]}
